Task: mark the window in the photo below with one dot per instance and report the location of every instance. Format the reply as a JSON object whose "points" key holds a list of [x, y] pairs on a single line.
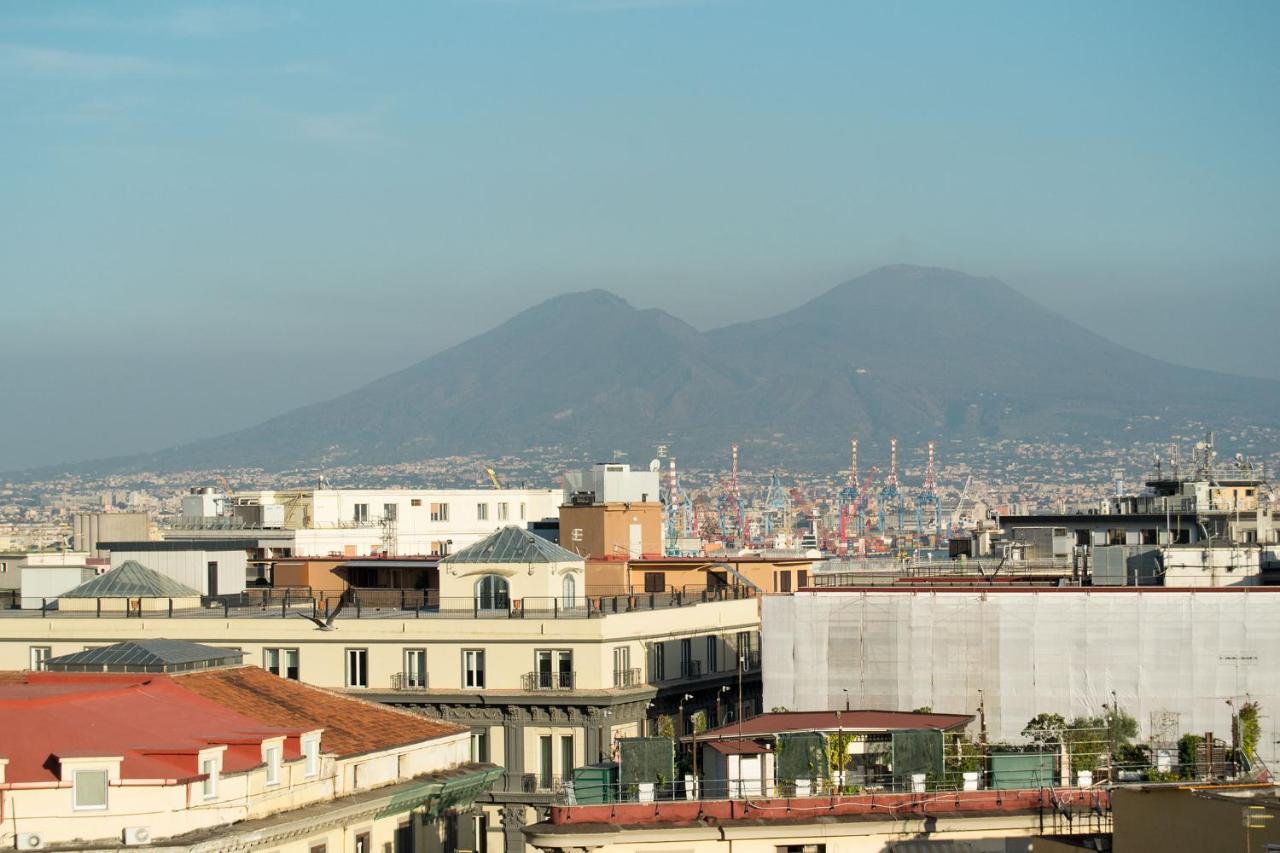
{"points": [[311, 757], [659, 668], [322, 847], [622, 666], [209, 787], [566, 756], [802, 578], [801, 848], [522, 510], [39, 654], [415, 502], [473, 668], [554, 669], [713, 654], [271, 756], [569, 591], [686, 658], [482, 512], [415, 668], [504, 511], [364, 843], [785, 577], [439, 512], [480, 746], [544, 762], [90, 789], [281, 662], [360, 513], [357, 667], [655, 581], [391, 512], [492, 593]]}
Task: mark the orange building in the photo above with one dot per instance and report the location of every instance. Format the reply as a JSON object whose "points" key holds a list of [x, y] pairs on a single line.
{"points": [[612, 530], [768, 574]]}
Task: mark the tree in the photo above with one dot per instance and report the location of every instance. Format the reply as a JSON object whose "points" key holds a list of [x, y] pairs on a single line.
{"points": [[1250, 730], [1188, 746], [1045, 729]]}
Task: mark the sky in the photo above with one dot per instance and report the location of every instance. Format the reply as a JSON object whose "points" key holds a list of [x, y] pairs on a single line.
{"points": [[210, 214]]}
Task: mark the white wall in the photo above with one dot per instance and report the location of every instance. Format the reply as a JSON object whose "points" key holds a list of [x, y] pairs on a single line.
{"points": [[189, 567], [1161, 651]]}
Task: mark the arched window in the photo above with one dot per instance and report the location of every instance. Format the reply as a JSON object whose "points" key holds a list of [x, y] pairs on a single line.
{"points": [[493, 593], [569, 591]]}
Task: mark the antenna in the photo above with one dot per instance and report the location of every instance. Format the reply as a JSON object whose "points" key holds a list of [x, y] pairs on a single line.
{"points": [[853, 463]]}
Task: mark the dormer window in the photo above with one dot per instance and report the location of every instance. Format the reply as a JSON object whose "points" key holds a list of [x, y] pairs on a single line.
{"points": [[209, 787], [90, 789], [272, 757], [311, 757]]}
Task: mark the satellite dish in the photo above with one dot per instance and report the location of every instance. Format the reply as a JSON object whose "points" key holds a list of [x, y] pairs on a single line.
{"points": [[655, 465]]}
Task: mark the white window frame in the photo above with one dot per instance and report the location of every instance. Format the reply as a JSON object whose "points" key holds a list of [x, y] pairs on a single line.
{"points": [[360, 513], [75, 786], [272, 757], [363, 657], [470, 657], [40, 654], [504, 511], [209, 787], [412, 676], [482, 512], [311, 757]]}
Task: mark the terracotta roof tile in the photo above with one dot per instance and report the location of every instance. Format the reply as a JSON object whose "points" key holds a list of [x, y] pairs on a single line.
{"points": [[351, 726]]}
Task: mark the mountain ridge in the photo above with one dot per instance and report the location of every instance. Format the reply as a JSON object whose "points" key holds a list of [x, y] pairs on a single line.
{"points": [[902, 349]]}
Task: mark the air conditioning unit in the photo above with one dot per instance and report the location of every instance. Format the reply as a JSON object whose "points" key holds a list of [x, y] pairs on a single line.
{"points": [[137, 835], [30, 841]]}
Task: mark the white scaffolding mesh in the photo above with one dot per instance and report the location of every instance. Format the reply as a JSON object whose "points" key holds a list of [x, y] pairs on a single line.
{"points": [[1167, 654]]}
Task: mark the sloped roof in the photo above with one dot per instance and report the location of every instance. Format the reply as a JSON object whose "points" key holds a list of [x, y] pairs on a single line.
{"points": [[513, 544], [778, 722], [145, 656], [131, 579], [352, 726]]}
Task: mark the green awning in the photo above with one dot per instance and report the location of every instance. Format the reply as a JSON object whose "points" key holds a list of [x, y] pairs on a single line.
{"points": [[457, 789]]}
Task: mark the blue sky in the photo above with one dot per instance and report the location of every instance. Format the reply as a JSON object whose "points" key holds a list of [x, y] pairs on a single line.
{"points": [[212, 213]]}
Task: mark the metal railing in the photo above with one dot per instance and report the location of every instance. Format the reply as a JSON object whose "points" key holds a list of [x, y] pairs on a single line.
{"points": [[535, 681], [627, 677], [690, 669], [409, 681], [358, 602]]}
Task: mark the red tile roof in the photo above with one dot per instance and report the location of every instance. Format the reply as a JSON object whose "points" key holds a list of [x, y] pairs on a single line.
{"points": [[829, 721], [156, 727], [158, 723], [351, 726]]}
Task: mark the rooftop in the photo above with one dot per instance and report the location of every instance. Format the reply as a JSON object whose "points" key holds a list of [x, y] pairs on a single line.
{"points": [[779, 722], [513, 544], [158, 723], [145, 656], [131, 579]]}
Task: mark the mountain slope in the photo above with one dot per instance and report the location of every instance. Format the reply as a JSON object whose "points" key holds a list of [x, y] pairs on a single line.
{"points": [[902, 350]]}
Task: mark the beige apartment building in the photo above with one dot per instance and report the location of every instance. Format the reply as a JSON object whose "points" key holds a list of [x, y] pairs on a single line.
{"points": [[542, 687], [176, 746]]}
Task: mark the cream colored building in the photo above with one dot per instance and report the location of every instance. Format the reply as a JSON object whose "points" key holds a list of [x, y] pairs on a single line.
{"points": [[199, 753], [540, 690], [361, 522]]}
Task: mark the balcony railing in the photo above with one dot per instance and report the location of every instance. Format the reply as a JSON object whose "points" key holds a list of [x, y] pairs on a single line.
{"points": [[549, 681], [409, 681], [690, 669], [627, 677]]}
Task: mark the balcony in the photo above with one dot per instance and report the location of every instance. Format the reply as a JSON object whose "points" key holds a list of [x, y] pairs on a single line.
{"points": [[409, 681], [690, 669], [540, 681], [627, 678]]}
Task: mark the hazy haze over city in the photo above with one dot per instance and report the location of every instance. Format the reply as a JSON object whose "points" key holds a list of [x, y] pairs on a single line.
{"points": [[212, 214]]}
